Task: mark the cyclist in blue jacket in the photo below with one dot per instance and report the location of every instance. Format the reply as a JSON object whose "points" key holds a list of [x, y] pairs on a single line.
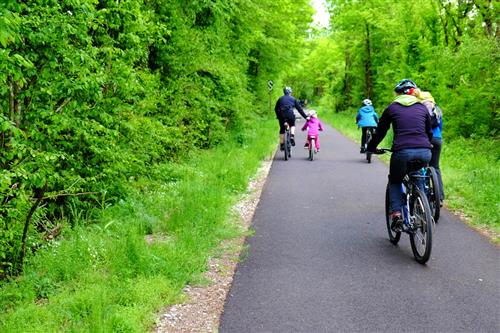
{"points": [[284, 112], [367, 120], [412, 128], [437, 132]]}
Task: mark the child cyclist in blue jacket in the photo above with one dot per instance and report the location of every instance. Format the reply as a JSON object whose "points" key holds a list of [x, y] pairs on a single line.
{"points": [[367, 120]]}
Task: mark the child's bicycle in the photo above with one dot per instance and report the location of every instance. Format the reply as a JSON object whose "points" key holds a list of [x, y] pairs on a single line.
{"points": [[416, 213], [311, 142]]}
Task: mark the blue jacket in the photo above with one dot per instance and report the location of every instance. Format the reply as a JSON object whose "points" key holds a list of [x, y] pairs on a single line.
{"points": [[437, 132], [367, 117]]}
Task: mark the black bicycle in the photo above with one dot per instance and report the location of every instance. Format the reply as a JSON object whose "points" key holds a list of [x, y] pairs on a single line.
{"points": [[416, 212], [288, 142], [369, 135]]}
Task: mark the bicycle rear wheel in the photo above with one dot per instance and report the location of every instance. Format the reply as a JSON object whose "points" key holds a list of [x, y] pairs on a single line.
{"points": [[368, 139], [421, 237], [286, 144], [393, 235], [434, 193], [312, 146]]}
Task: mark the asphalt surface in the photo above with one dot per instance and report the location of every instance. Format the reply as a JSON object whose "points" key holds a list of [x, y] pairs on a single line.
{"points": [[320, 259]]}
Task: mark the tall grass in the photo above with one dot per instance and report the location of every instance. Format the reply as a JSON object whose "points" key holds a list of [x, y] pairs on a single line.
{"points": [[114, 275], [470, 170]]}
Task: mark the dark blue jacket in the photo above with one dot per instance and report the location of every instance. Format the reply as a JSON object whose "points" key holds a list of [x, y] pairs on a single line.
{"points": [[411, 124], [284, 107]]}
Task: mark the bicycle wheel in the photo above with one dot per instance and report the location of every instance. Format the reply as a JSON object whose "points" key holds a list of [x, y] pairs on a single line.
{"points": [[311, 149], [393, 235], [421, 237], [289, 145], [368, 139], [285, 145], [434, 193]]}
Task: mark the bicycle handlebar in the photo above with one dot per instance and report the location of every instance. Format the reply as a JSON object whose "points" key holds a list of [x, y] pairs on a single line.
{"points": [[380, 151]]}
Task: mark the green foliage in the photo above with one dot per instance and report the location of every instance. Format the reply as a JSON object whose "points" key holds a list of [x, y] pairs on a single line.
{"points": [[449, 48], [95, 94]]}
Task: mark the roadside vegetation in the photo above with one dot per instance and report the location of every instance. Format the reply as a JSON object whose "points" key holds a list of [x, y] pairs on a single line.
{"points": [[137, 255]]}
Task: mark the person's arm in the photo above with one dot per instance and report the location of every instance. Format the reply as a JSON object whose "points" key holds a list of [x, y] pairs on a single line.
{"points": [[299, 108], [320, 126], [375, 116], [383, 126], [305, 126], [428, 126]]}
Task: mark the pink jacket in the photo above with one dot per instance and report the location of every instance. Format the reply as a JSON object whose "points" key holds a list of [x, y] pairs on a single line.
{"points": [[314, 126]]}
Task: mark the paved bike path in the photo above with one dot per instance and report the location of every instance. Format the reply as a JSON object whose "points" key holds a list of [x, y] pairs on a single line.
{"points": [[320, 259]]}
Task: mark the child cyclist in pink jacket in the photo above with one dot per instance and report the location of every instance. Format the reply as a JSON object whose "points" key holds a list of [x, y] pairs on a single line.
{"points": [[313, 125]]}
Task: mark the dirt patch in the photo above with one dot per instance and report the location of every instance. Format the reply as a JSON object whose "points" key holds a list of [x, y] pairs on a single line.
{"points": [[203, 308]]}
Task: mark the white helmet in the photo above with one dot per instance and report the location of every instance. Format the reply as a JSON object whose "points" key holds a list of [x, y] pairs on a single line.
{"points": [[367, 102]]}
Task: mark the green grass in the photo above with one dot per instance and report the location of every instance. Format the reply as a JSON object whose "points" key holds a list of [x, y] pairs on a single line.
{"points": [[106, 277], [470, 170]]}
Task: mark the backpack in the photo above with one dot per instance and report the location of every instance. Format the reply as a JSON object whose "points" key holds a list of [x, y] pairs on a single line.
{"points": [[436, 115]]}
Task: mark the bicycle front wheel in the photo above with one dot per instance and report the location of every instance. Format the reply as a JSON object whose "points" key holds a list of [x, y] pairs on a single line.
{"points": [[421, 236], [434, 194], [394, 236]]}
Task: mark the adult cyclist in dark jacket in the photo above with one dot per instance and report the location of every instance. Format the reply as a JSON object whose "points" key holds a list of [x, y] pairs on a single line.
{"points": [[284, 112], [412, 128]]}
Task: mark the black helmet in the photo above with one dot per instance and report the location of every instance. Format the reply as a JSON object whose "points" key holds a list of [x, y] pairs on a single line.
{"points": [[287, 90], [404, 86]]}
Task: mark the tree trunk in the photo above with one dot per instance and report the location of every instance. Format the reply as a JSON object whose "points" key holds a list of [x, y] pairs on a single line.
{"points": [[26, 228], [368, 65]]}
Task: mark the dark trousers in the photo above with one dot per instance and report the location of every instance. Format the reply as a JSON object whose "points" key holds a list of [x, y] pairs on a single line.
{"points": [[437, 143], [363, 134], [398, 169]]}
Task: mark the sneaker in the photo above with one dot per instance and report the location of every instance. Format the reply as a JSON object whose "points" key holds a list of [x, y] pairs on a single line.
{"points": [[397, 221], [282, 146], [292, 140], [306, 145]]}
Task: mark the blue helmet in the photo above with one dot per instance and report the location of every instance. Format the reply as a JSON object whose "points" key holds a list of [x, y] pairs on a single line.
{"points": [[404, 86], [287, 90]]}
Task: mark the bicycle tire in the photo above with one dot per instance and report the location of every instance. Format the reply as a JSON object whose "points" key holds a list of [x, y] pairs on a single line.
{"points": [[311, 149], [393, 235], [434, 194], [368, 139], [421, 237], [285, 146]]}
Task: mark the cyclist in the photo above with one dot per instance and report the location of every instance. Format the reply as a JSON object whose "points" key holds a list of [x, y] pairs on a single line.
{"points": [[367, 120], [411, 126], [437, 132], [284, 112], [313, 126]]}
